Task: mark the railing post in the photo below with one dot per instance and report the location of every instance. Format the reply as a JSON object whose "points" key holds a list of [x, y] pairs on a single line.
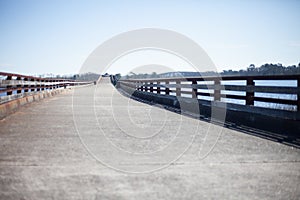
{"points": [[167, 88], [298, 95], [158, 87], [19, 86], [51, 84], [9, 86], [42, 85], [146, 87], [141, 87], [136, 87], [32, 86], [46, 84], [151, 87], [38, 86], [194, 90], [250, 94], [26, 85], [217, 92], [178, 89]]}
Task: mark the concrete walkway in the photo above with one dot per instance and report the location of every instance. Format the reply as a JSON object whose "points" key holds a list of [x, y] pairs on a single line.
{"points": [[58, 148]]}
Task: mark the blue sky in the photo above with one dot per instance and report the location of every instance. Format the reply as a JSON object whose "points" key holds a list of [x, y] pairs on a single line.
{"points": [[57, 36]]}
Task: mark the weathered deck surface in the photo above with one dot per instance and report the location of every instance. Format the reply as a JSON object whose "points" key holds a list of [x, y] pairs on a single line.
{"points": [[42, 157]]}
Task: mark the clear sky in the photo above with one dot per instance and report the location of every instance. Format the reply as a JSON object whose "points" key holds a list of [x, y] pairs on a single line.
{"points": [[57, 36]]}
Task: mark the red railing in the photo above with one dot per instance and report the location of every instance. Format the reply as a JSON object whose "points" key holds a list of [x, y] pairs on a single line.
{"points": [[11, 82]]}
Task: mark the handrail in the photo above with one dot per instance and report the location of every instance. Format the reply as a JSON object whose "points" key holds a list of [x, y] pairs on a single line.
{"points": [[29, 77], [18, 82], [214, 88]]}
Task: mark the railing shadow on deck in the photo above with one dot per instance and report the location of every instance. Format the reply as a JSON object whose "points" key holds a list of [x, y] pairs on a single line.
{"points": [[248, 109]]}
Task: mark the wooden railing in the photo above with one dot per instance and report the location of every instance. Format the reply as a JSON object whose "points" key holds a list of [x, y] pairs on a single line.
{"points": [[16, 83], [216, 88]]}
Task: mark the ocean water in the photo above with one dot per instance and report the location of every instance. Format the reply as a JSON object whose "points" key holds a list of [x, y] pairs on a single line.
{"points": [[277, 83]]}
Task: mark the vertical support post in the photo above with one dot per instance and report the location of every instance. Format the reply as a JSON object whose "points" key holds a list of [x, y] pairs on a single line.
{"points": [[43, 85], [38, 86], [146, 87], [217, 92], [9, 86], [250, 94], [32, 86], [19, 90], [26, 85], [298, 95], [50, 86], [118, 84], [141, 87], [178, 89], [158, 87], [194, 90], [167, 88], [151, 87], [46, 84]]}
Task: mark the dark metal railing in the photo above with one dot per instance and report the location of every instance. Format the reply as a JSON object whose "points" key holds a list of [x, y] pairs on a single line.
{"points": [[215, 88]]}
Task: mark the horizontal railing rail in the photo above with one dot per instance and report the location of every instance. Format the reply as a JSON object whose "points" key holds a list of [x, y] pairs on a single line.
{"points": [[10, 83], [225, 88]]}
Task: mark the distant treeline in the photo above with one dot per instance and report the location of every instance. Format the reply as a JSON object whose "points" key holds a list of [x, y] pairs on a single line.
{"points": [[86, 77], [79, 77], [266, 69]]}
